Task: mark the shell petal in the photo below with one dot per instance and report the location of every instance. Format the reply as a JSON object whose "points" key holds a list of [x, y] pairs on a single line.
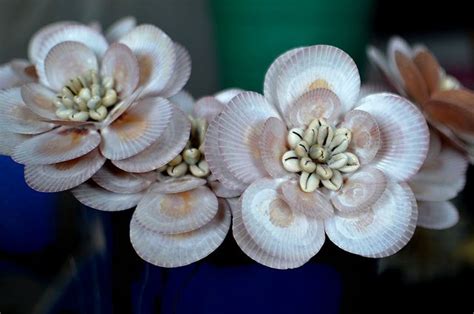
{"points": [[67, 32], [366, 139], [168, 250], [397, 44], [277, 228], [404, 134], [9, 141], [381, 231], [182, 72], [65, 175], [119, 181], [240, 126], [120, 63], [120, 28], [315, 67], [249, 247], [39, 99], [314, 204], [137, 128], [184, 101], [437, 215], [94, 196], [378, 59], [317, 103], [177, 185], [225, 96], [16, 117], [428, 67], [221, 191], [163, 150], [360, 191], [273, 73], [15, 73], [56, 146], [66, 61], [156, 56], [441, 178], [415, 85], [177, 212], [214, 159], [208, 108], [272, 146]]}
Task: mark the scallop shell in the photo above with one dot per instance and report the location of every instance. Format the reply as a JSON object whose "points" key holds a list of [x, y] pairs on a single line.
{"points": [[225, 96], [381, 63], [429, 68], [437, 215], [277, 228], [9, 141], [177, 185], [115, 180], [272, 145], [404, 134], [174, 250], [181, 73], [208, 108], [381, 231], [120, 28], [65, 175], [184, 101]]}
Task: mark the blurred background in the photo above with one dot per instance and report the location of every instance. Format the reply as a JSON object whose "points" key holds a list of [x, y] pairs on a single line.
{"points": [[57, 256]]}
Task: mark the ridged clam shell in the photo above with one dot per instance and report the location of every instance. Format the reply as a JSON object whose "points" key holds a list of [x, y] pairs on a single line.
{"points": [[272, 146], [437, 215], [177, 185], [181, 73], [116, 180]]}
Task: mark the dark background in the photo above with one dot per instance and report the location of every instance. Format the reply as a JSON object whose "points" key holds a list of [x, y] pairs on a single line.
{"points": [[59, 257]]}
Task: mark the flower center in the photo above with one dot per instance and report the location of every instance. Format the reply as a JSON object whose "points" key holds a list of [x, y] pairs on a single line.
{"points": [[86, 97], [319, 153], [191, 160]]}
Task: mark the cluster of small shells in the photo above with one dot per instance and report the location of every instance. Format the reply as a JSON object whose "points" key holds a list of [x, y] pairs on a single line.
{"points": [[86, 97], [320, 154], [191, 158]]}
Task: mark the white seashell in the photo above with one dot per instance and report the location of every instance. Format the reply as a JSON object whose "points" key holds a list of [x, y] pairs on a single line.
{"points": [[295, 136], [178, 170], [324, 172], [309, 181], [115, 180], [200, 169], [181, 72], [338, 161], [437, 215], [302, 149], [352, 163], [307, 164], [291, 161], [335, 182]]}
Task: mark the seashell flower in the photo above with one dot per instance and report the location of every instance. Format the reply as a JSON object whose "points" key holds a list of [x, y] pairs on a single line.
{"points": [[315, 161], [181, 213], [415, 73], [95, 100], [16, 73]]}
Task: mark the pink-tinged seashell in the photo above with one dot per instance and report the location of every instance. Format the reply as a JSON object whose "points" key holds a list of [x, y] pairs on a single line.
{"points": [[435, 146], [437, 215], [318, 66], [366, 139], [317, 103], [277, 228], [66, 61], [272, 145], [360, 191], [181, 73], [251, 249], [221, 191], [239, 129], [136, 129], [177, 185], [68, 32], [65, 175], [381, 231], [156, 56], [404, 134], [373, 88], [208, 108], [184, 101], [16, 73], [380, 62], [174, 250], [58, 145], [272, 75], [9, 141], [314, 204], [163, 150], [177, 212], [96, 197], [225, 96], [120, 28], [214, 159], [429, 68], [39, 99], [16, 117], [120, 63], [440, 178], [397, 44], [115, 180]]}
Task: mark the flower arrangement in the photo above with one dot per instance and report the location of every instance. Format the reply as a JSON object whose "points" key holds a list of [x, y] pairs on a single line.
{"points": [[105, 116]]}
